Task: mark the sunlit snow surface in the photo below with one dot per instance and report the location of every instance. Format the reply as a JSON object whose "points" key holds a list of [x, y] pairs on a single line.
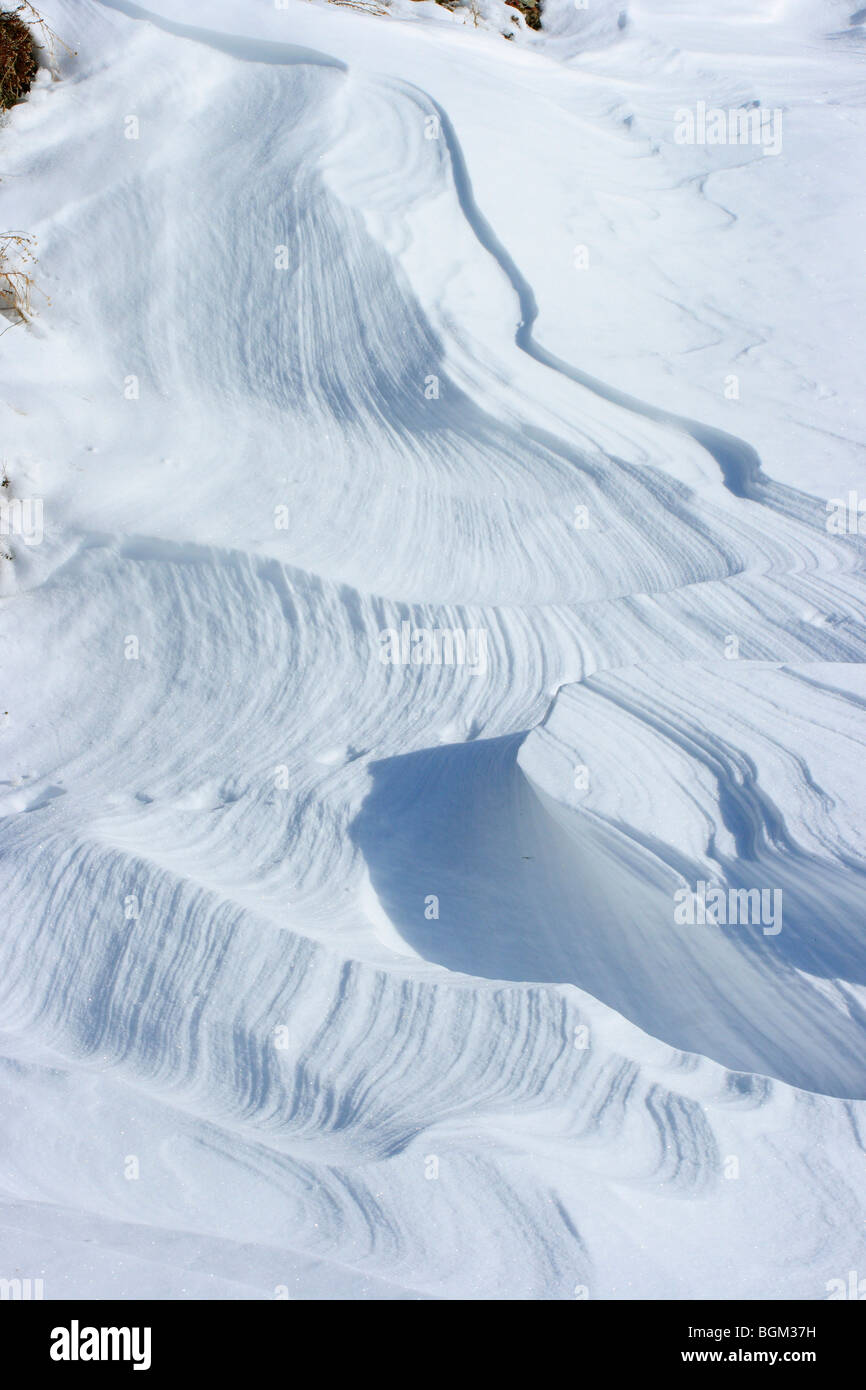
{"points": [[345, 329]]}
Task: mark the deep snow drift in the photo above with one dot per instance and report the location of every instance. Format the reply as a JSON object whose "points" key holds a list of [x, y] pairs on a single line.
{"points": [[328, 973]]}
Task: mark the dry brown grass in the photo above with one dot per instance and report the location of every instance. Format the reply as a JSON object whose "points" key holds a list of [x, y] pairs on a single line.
{"points": [[18, 61], [362, 5], [47, 42], [25, 39], [16, 282]]}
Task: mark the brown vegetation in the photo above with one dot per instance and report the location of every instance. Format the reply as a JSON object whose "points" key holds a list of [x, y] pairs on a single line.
{"points": [[18, 60]]}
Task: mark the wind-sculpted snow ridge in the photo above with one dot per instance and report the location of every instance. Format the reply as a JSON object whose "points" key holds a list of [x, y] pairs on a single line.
{"points": [[755, 798], [343, 976]]}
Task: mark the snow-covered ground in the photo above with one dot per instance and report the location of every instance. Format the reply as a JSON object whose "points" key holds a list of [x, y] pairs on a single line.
{"points": [[325, 973]]}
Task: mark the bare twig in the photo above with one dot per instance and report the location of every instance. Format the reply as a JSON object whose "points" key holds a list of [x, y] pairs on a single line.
{"points": [[16, 283], [49, 39]]}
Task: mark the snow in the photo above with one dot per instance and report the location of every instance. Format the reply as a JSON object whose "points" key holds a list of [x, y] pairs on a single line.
{"points": [[329, 976]]}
